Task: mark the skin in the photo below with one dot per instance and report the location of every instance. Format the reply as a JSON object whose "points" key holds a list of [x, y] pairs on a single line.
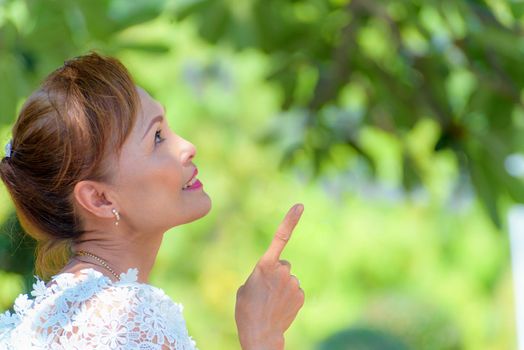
{"points": [[146, 190], [270, 299]]}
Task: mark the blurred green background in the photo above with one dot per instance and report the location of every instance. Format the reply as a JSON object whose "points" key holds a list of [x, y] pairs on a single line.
{"points": [[398, 124]]}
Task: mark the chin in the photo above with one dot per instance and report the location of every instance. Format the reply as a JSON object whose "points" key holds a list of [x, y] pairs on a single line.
{"points": [[197, 212]]}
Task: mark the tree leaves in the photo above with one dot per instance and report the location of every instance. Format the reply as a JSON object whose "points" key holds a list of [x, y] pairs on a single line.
{"points": [[457, 62], [35, 44]]}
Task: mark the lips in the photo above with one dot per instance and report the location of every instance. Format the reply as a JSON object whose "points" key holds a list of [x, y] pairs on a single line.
{"points": [[192, 177]]}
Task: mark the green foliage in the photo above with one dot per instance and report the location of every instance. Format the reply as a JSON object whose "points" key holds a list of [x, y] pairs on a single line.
{"points": [[341, 92], [457, 62], [425, 268], [418, 324], [361, 339], [16, 250], [37, 36]]}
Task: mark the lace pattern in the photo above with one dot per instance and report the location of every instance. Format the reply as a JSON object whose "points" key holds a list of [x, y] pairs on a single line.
{"points": [[89, 311]]}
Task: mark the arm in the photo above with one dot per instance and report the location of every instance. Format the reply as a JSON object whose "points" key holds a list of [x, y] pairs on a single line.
{"points": [[270, 299]]}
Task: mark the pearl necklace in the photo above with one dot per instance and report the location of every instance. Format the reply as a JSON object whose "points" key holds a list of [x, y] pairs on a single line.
{"points": [[101, 261]]}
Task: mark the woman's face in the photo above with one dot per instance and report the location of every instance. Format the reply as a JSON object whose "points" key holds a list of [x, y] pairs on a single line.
{"points": [[154, 166]]}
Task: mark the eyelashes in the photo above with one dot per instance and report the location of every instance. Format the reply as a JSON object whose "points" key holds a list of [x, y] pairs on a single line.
{"points": [[158, 137]]}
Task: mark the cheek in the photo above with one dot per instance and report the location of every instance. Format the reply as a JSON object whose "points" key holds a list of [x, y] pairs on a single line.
{"points": [[168, 176], [154, 182]]}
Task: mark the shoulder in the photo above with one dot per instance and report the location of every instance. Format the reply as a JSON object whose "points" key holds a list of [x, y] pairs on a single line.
{"points": [[90, 294], [126, 298], [146, 314], [137, 298], [91, 309]]}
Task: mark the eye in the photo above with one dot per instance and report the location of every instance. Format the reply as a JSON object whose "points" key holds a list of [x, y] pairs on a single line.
{"points": [[158, 137]]}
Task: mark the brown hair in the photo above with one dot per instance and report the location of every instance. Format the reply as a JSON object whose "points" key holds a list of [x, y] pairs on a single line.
{"points": [[66, 132]]}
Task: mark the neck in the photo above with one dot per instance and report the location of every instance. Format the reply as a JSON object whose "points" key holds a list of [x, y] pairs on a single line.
{"points": [[122, 252]]}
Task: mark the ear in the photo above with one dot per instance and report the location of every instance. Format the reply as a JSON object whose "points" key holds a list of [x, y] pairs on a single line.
{"points": [[93, 197]]}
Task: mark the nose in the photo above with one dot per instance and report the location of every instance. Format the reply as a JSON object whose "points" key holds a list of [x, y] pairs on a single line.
{"points": [[188, 151]]}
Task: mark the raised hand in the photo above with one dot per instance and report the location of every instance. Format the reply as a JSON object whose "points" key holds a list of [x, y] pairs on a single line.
{"points": [[270, 298]]}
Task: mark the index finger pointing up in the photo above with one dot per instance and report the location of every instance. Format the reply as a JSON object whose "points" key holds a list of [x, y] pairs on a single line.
{"points": [[284, 231]]}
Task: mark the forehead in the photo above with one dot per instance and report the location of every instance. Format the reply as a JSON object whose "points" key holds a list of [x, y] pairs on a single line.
{"points": [[149, 107]]}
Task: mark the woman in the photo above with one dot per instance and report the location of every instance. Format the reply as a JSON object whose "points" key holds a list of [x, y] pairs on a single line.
{"points": [[97, 177]]}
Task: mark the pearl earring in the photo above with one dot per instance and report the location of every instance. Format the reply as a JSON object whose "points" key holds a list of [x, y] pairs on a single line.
{"points": [[117, 215]]}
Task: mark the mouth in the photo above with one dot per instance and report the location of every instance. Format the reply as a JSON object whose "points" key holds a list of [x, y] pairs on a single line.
{"points": [[193, 182]]}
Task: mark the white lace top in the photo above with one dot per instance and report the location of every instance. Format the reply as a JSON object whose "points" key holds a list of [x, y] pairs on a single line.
{"points": [[89, 311]]}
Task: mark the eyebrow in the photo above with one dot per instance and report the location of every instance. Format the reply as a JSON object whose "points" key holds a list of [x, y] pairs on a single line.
{"points": [[156, 119]]}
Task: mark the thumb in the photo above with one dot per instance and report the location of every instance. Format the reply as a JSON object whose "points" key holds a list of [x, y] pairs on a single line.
{"points": [[283, 234]]}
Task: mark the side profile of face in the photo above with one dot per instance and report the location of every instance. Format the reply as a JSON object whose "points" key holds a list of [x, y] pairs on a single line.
{"points": [[154, 166]]}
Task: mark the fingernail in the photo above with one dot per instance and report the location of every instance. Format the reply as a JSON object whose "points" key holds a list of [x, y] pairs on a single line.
{"points": [[298, 208]]}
